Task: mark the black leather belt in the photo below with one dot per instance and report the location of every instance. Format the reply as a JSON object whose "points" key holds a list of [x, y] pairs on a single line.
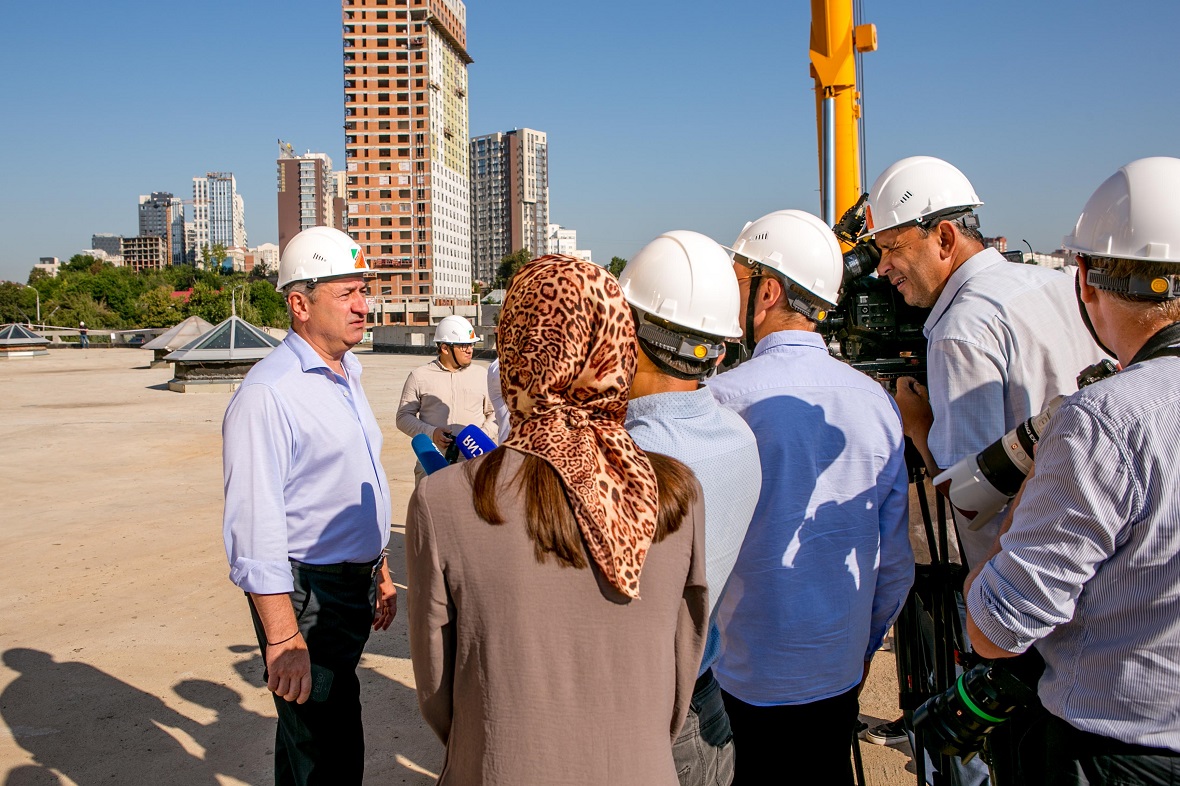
{"points": [[342, 568]]}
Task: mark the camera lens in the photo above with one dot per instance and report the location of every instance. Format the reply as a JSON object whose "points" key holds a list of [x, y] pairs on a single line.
{"points": [[860, 260], [957, 721]]}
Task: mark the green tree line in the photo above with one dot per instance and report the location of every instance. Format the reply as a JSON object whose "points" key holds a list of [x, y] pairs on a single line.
{"points": [[104, 296]]}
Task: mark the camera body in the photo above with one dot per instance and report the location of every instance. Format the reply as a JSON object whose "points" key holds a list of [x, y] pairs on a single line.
{"points": [[872, 328], [875, 331]]}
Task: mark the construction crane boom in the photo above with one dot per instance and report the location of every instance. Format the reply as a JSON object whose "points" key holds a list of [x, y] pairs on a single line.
{"points": [[835, 41]]}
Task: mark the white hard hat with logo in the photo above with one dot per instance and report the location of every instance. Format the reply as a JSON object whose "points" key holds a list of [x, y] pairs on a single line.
{"points": [[918, 189], [320, 253], [454, 329], [799, 247], [686, 280]]}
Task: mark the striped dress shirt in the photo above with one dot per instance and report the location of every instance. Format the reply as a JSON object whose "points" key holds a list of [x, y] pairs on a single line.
{"points": [[1090, 569], [1003, 340]]}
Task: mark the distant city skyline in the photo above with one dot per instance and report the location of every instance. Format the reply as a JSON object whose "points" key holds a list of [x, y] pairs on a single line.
{"points": [[658, 115]]}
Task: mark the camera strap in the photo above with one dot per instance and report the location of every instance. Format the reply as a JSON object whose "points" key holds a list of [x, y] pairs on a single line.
{"points": [[1162, 344]]}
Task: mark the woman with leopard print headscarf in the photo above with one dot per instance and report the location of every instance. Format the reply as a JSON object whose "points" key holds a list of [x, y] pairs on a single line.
{"points": [[556, 585]]}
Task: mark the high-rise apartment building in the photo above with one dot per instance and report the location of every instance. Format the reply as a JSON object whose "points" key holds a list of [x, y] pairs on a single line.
{"points": [[146, 252], [405, 106], [162, 215], [306, 193], [219, 215], [510, 197]]}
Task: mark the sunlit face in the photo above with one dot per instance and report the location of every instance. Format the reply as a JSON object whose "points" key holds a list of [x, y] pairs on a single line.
{"points": [[337, 315], [457, 356], [912, 264]]}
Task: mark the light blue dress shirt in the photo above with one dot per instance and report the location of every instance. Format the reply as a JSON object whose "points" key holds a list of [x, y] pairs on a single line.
{"points": [[720, 449], [1003, 340], [1090, 569], [303, 477], [827, 563]]}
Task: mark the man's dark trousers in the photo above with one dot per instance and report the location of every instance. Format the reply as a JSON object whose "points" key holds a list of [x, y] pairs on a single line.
{"points": [[322, 742], [819, 735]]}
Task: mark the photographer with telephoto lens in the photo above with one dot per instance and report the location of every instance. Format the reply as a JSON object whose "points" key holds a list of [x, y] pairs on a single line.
{"points": [[1002, 339], [1087, 567]]}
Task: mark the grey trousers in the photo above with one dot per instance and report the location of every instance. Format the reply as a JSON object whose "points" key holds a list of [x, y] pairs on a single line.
{"points": [[704, 750]]}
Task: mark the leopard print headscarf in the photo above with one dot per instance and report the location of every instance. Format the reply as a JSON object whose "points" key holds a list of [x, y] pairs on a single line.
{"points": [[567, 357]]}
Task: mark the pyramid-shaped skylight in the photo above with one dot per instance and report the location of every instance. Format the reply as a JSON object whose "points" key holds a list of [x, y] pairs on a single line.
{"points": [[178, 335], [18, 335], [233, 339]]}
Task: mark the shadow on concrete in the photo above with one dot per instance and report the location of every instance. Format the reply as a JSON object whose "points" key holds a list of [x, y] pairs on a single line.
{"points": [[92, 727], [32, 775]]}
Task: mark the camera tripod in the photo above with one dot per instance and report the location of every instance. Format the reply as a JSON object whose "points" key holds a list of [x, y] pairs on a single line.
{"points": [[928, 631]]}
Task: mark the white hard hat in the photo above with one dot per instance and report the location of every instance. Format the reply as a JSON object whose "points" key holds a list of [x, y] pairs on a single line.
{"points": [[454, 330], [917, 189], [798, 246], [685, 279], [1135, 214], [320, 253]]}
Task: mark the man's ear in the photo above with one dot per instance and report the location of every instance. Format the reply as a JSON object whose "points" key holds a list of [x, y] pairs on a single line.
{"points": [[1088, 294], [946, 238], [299, 304], [770, 291]]}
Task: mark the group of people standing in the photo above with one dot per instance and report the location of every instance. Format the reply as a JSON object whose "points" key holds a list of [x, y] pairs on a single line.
{"points": [[665, 574]]}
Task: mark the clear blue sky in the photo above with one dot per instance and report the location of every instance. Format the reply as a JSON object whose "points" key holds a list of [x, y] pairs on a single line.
{"points": [[660, 115]]}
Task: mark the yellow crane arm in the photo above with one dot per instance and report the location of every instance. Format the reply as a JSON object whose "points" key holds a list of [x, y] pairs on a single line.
{"points": [[835, 40]]}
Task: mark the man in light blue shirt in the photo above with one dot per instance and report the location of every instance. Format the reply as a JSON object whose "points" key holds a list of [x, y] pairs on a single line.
{"points": [[827, 563], [1087, 568], [685, 298], [307, 511]]}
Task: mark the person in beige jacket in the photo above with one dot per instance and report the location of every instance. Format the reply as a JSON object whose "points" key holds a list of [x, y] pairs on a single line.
{"points": [[556, 585], [449, 393]]}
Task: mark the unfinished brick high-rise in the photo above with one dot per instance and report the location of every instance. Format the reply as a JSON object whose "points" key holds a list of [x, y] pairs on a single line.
{"points": [[406, 156]]}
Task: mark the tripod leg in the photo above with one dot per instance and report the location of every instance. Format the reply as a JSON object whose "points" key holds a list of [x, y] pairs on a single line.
{"points": [[857, 763]]}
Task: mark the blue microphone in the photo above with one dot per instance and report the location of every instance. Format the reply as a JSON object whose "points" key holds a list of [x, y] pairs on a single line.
{"points": [[472, 442], [428, 455]]}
